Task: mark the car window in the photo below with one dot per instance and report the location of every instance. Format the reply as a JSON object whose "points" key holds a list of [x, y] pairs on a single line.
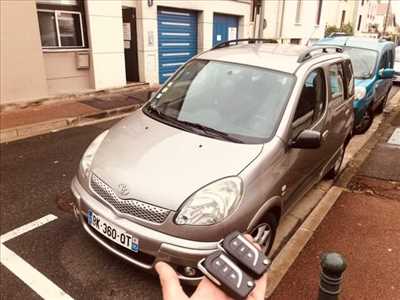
{"points": [[390, 58], [363, 60], [312, 101], [336, 81], [241, 101], [349, 78], [384, 61]]}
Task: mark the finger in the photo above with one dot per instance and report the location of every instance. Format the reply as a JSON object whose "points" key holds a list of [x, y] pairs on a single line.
{"points": [[208, 290], [259, 291], [171, 287]]}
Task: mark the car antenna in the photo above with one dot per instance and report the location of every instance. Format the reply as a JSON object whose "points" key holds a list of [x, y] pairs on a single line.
{"points": [[345, 42]]}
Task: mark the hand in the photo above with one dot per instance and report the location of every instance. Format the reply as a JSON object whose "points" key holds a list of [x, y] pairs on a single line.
{"points": [[172, 289]]}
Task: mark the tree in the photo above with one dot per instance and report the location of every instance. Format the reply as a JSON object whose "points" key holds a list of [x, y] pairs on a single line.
{"points": [[346, 28]]}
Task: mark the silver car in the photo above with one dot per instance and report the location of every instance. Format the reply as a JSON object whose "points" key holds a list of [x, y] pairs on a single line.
{"points": [[234, 138]]}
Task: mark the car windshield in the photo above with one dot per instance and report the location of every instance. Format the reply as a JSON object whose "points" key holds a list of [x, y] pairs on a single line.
{"points": [[223, 100], [363, 61]]}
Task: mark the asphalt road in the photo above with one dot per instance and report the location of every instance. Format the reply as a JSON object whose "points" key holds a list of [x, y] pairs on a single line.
{"points": [[35, 178]]}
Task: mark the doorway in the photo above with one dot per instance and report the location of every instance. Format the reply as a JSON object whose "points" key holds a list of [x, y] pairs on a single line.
{"points": [[130, 44]]}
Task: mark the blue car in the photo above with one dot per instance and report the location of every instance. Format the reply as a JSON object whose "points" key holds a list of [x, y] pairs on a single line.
{"points": [[373, 62]]}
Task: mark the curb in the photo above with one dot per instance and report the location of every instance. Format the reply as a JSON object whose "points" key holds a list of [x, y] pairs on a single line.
{"points": [[26, 131], [286, 254], [71, 97]]}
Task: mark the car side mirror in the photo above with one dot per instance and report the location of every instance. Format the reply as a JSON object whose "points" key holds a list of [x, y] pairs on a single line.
{"points": [[307, 139], [386, 73]]}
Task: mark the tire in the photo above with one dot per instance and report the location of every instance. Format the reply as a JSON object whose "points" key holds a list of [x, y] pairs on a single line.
{"points": [[334, 172], [365, 123], [382, 105], [271, 223]]}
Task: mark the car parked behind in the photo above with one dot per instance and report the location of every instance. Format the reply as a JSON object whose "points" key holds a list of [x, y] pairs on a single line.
{"points": [[396, 78], [230, 142], [373, 62]]}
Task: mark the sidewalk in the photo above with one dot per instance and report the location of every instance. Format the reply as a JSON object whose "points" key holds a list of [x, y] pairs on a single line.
{"points": [[363, 225], [38, 119]]}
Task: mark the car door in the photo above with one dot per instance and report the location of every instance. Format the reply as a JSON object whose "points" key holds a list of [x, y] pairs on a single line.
{"points": [[304, 165], [381, 85], [341, 91]]}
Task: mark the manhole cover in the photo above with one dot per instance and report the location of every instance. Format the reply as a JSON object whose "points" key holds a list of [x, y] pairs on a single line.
{"points": [[395, 137]]}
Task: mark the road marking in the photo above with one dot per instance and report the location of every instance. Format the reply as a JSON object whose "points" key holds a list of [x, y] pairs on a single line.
{"points": [[27, 227], [23, 270]]}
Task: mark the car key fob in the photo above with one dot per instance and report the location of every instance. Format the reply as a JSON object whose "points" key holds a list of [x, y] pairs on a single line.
{"points": [[246, 254], [221, 270]]}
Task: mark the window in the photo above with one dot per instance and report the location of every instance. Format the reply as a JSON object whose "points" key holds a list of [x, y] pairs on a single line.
{"points": [[319, 10], [336, 81], [61, 23], [298, 11], [349, 78], [240, 101], [295, 41], [312, 101], [359, 23], [343, 18]]}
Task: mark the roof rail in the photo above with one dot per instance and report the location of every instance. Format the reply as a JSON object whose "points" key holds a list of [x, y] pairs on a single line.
{"points": [[324, 49], [250, 41]]}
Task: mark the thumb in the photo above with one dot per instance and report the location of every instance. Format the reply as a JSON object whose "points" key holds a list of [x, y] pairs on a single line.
{"points": [[171, 287]]}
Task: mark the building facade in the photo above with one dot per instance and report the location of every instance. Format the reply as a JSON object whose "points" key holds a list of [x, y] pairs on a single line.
{"points": [[295, 21], [70, 46]]}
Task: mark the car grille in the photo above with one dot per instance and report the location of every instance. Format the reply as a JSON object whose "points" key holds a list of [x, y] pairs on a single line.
{"points": [[130, 207]]}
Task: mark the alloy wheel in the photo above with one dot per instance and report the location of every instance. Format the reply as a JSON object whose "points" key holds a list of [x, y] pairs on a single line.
{"points": [[262, 235]]}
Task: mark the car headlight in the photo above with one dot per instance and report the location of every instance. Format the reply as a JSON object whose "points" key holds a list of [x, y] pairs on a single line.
{"points": [[359, 92], [212, 203], [88, 156]]}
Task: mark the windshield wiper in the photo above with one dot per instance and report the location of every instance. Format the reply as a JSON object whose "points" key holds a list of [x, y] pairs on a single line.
{"points": [[212, 132]]}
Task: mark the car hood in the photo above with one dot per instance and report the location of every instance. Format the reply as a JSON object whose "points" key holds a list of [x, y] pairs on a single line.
{"points": [[163, 165]]}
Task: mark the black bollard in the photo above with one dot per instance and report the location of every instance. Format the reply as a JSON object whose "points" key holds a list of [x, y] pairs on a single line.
{"points": [[332, 267]]}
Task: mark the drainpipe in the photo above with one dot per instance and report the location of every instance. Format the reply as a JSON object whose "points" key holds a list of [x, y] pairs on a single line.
{"points": [[281, 20], [261, 20]]}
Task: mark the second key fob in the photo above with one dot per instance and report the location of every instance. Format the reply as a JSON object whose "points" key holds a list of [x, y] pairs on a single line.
{"points": [[246, 254], [221, 270]]}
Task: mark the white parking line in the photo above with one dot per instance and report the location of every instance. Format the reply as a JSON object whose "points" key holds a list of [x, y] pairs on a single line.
{"points": [[27, 227], [23, 270]]}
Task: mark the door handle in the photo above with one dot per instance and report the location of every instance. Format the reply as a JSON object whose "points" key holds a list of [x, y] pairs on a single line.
{"points": [[325, 134]]}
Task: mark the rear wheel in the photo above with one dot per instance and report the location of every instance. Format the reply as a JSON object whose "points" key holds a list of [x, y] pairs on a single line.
{"points": [[264, 233], [365, 122]]}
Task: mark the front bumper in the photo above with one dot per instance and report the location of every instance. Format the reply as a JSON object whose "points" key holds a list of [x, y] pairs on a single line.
{"points": [[154, 245]]}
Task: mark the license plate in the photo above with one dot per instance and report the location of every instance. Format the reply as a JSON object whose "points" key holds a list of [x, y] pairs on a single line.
{"points": [[113, 232]]}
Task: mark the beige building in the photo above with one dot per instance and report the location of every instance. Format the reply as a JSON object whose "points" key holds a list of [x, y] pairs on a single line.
{"points": [[366, 17], [295, 21], [341, 12], [53, 47]]}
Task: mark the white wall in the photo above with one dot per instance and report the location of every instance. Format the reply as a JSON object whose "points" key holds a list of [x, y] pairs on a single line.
{"points": [[104, 20], [288, 28], [21, 61]]}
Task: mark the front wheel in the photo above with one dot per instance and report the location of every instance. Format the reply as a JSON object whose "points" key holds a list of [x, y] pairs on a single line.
{"points": [[264, 233], [365, 122]]}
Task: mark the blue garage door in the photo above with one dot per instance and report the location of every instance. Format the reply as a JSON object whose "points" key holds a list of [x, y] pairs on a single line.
{"points": [[177, 39], [226, 28]]}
